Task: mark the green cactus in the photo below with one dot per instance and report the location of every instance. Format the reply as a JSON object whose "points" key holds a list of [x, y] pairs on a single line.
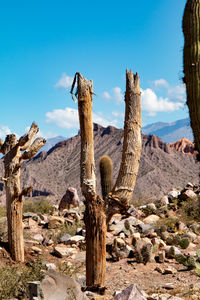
{"points": [[198, 255], [197, 271], [191, 262], [176, 240], [155, 248], [106, 173], [171, 253], [184, 243], [191, 60], [181, 259], [187, 260]]}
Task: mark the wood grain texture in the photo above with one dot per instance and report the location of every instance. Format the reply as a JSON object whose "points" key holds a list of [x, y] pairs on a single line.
{"points": [[11, 149]]}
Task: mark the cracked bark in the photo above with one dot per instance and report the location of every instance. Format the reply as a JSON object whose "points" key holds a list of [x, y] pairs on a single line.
{"points": [[11, 149], [98, 212]]}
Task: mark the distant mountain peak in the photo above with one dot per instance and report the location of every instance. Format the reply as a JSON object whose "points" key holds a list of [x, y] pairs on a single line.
{"points": [[170, 132]]}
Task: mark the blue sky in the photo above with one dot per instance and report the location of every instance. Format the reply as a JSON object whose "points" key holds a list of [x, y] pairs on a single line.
{"points": [[43, 44]]}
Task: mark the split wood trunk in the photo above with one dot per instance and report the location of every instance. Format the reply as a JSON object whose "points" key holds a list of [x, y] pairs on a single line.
{"points": [[11, 149], [95, 219], [99, 211], [14, 205]]}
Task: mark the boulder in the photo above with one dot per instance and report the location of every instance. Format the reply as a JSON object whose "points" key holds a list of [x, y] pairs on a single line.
{"points": [[151, 219], [55, 222], [188, 194], [69, 199], [58, 286], [130, 293], [63, 251]]}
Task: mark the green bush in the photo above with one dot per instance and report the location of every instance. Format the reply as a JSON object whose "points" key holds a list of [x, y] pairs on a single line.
{"points": [[14, 279], [41, 206], [64, 229]]}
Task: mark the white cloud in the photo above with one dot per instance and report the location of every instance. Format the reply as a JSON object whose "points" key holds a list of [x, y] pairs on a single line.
{"points": [[4, 131], [177, 92], [118, 114], [68, 118], [161, 83], [153, 104], [106, 95], [64, 82], [117, 95], [64, 118]]}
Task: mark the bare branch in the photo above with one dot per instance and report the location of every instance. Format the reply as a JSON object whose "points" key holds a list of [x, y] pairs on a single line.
{"points": [[9, 143], [26, 140], [33, 149], [3, 179]]}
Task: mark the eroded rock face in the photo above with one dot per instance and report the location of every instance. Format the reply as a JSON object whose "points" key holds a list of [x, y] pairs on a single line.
{"points": [[57, 286], [184, 145], [130, 293], [70, 198]]}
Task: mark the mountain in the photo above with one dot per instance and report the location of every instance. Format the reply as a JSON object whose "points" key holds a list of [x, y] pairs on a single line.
{"points": [[184, 145], [170, 132], [51, 142], [161, 167]]}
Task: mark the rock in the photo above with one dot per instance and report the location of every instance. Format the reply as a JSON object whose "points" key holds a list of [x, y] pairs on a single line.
{"points": [[75, 239], [169, 253], [151, 219], [36, 250], [145, 228], [164, 201], [169, 286], [130, 293], [151, 206], [55, 222], [63, 251], [58, 286], [191, 235], [70, 198], [50, 266], [134, 212], [30, 215], [38, 237], [188, 194], [161, 256], [120, 226], [120, 242], [181, 226], [169, 270], [159, 297], [189, 185], [173, 194], [65, 238]]}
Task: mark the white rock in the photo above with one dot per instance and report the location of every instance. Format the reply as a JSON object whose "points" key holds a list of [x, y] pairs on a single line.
{"points": [[151, 219]]}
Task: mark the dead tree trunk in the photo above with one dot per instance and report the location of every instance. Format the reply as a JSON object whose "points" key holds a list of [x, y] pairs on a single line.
{"points": [[98, 212], [11, 149]]}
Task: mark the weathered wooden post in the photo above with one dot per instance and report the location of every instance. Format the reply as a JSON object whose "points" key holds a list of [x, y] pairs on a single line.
{"points": [[98, 211], [11, 149]]}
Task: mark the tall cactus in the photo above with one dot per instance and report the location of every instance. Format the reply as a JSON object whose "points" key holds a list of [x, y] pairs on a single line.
{"points": [[191, 60], [106, 172]]}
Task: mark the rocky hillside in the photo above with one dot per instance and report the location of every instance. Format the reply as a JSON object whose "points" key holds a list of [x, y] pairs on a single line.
{"points": [[161, 167], [185, 146]]}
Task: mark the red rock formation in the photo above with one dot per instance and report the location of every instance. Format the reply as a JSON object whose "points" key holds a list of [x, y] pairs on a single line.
{"points": [[184, 145]]}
